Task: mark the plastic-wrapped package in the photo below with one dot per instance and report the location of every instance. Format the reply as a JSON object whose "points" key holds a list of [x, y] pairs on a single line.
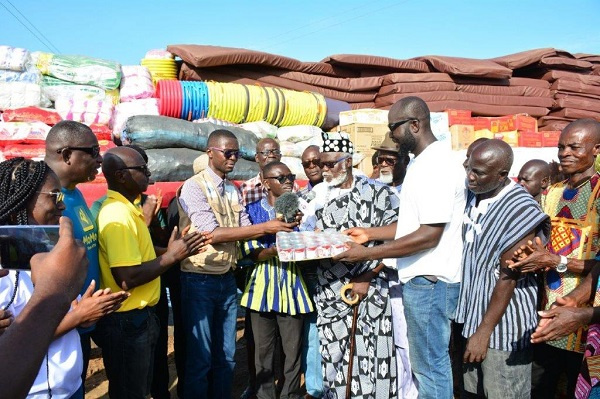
{"points": [[261, 129], [289, 149], [85, 111], [19, 94], [14, 58], [80, 69], [158, 54], [298, 133], [31, 114], [295, 165], [54, 88], [147, 106], [23, 131], [30, 75], [136, 83]]}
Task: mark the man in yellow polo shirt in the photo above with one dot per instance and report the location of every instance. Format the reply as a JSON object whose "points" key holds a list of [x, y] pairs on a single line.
{"points": [[128, 261]]}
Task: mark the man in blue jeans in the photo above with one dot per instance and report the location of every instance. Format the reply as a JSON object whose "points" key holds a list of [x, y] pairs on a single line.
{"points": [[209, 202], [427, 243]]}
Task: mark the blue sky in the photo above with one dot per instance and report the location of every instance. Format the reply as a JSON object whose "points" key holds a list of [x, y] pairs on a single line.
{"points": [[307, 30]]}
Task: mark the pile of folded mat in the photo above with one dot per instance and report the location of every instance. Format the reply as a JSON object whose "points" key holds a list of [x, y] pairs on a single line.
{"points": [[551, 85]]}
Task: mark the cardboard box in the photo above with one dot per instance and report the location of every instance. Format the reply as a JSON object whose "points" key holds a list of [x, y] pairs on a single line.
{"points": [[364, 136], [530, 139], [550, 138], [462, 136], [481, 123], [458, 117], [483, 133], [512, 138], [367, 115], [508, 123]]}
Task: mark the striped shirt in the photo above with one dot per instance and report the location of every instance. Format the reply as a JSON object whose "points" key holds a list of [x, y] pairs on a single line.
{"points": [[274, 286], [489, 230]]}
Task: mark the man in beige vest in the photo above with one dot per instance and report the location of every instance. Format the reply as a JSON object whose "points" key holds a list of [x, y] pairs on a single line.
{"points": [[210, 202]]}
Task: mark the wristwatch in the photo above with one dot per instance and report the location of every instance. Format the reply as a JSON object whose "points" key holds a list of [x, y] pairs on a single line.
{"points": [[562, 266]]}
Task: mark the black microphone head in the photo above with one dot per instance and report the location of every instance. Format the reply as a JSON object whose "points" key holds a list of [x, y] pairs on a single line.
{"points": [[287, 205]]}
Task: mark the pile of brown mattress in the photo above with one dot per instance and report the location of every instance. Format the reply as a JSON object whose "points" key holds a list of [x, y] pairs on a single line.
{"points": [[552, 85]]}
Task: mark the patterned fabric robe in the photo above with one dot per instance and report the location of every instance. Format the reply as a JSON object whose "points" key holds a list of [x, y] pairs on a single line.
{"points": [[367, 204]]}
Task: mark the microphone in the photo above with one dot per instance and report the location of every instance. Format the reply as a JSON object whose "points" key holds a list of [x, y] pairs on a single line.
{"points": [[287, 205]]}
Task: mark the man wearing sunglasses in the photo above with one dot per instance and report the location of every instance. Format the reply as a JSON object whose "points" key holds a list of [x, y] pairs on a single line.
{"points": [[73, 153], [267, 151], [342, 201], [392, 165], [427, 243], [209, 202]]}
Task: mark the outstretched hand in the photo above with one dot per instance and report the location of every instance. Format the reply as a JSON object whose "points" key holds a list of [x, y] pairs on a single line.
{"points": [[356, 253], [358, 234]]}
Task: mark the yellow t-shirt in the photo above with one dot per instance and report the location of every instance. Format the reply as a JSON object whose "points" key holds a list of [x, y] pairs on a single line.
{"points": [[125, 241]]}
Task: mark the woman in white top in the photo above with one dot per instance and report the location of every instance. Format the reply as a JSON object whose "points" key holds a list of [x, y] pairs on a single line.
{"points": [[30, 193]]}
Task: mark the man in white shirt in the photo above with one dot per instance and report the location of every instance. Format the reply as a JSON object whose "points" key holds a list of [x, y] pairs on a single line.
{"points": [[427, 243]]}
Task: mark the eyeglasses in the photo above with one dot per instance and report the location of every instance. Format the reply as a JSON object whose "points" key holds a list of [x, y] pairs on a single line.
{"points": [[310, 162], [94, 150], [268, 152], [142, 168], [282, 178], [331, 165], [394, 125], [387, 160], [227, 153], [57, 195]]}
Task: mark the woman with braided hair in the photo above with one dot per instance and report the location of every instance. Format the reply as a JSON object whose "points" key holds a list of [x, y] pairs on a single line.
{"points": [[30, 194]]}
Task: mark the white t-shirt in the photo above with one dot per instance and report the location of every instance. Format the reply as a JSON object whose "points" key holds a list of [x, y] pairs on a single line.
{"points": [[65, 360], [433, 192]]}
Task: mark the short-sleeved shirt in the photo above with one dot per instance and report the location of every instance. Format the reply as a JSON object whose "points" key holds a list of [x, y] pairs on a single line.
{"points": [[125, 241], [84, 229], [433, 192]]}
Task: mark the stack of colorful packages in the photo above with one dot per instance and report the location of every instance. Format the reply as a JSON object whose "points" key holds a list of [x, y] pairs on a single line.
{"points": [[83, 89], [19, 80]]}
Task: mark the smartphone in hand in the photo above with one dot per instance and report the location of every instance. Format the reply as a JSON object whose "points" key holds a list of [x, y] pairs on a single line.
{"points": [[18, 244]]}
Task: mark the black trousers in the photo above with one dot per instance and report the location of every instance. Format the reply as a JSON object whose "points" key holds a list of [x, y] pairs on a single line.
{"points": [[548, 365], [264, 327]]}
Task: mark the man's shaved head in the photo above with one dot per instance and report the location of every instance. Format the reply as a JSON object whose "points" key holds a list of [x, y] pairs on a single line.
{"points": [[488, 168], [215, 137], [411, 107], [118, 158], [68, 133], [534, 176], [590, 126]]}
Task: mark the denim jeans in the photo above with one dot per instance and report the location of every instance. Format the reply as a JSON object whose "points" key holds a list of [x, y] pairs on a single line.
{"points": [[311, 353], [209, 308], [429, 307], [128, 340]]}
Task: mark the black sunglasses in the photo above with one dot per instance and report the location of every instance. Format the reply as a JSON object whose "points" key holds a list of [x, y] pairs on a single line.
{"points": [[267, 152], [56, 196], [94, 150], [331, 164], [227, 153], [307, 164], [282, 178], [141, 168], [394, 125], [388, 160]]}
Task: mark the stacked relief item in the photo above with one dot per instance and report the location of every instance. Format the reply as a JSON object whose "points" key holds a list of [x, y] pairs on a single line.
{"points": [[19, 80]]}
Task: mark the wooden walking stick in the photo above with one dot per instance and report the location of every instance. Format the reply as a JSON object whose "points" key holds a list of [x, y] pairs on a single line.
{"points": [[353, 301]]}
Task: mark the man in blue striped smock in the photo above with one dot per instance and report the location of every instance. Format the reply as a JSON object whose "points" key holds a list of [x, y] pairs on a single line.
{"points": [[496, 304], [275, 295]]}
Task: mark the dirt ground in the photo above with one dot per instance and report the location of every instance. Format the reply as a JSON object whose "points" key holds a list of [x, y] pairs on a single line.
{"points": [[96, 385]]}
